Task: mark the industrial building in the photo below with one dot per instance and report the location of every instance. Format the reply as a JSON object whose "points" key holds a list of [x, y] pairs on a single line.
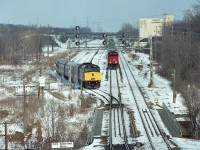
{"points": [[152, 27]]}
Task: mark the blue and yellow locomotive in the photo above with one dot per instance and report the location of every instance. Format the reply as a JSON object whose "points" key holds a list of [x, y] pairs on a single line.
{"points": [[87, 74]]}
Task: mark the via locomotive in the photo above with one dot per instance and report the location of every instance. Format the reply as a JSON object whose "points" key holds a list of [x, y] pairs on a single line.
{"points": [[113, 60], [87, 73]]}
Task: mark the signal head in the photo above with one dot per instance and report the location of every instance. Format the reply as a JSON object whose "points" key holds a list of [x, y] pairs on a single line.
{"points": [[123, 35], [77, 43], [104, 35], [104, 42], [77, 35], [77, 28]]}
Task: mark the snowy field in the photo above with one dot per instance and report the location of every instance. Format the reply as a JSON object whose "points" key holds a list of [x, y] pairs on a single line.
{"points": [[61, 97]]}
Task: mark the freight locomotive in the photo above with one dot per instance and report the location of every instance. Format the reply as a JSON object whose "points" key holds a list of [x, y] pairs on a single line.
{"points": [[113, 60], [86, 74]]}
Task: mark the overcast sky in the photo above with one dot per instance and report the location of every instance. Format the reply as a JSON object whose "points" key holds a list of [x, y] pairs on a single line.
{"points": [[99, 15]]}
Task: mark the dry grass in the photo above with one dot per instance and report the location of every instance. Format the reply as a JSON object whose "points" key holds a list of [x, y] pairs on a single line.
{"points": [[33, 104], [10, 89], [30, 128], [17, 137], [3, 113], [5, 62], [133, 57], [139, 67], [86, 102], [4, 70], [57, 95]]}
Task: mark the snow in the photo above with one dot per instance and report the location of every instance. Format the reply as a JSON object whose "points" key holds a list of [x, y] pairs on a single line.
{"points": [[159, 94], [187, 144]]}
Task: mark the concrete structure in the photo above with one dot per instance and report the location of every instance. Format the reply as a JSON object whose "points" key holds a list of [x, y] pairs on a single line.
{"points": [[153, 26], [168, 20], [150, 27]]}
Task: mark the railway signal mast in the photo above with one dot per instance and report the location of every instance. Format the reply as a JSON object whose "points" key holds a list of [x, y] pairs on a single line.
{"points": [[124, 39], [69, 59], [77, 28], [104, 39], [151, 84]]}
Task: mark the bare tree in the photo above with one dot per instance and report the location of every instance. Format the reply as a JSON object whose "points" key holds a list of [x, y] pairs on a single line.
{"points": [[192, 99], [128, 29], [180, 50]]}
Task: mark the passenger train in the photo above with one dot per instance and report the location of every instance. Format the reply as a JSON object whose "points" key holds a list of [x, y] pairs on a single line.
{"points": [[86, 74]]}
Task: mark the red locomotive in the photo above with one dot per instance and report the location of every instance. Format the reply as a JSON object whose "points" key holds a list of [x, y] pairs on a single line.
{"points": [[113, 60]]}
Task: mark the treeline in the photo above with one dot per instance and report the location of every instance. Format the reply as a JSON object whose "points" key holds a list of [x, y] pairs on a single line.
{"points": [[179, 55], [19, 42]]}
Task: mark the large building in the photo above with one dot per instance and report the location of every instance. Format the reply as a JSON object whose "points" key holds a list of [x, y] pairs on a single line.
{"points": [[153, 27]]}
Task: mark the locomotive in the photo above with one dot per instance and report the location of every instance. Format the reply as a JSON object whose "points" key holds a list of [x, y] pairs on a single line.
{"points": [[113, 60], [87, 74]]}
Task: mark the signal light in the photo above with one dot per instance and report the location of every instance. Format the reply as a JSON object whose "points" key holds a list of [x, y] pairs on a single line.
{"points": [[77, 27], [123, 35], [77, 35], [123, 42], [104, 42], [104, 35], [77, 43]]}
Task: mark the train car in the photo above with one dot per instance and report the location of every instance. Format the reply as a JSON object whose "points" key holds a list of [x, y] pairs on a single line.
{"points": [[87, 74], [113, 60], [111, 45], [90, 75], [62, 68]]}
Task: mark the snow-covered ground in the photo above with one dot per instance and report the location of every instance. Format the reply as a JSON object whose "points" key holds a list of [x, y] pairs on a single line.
{"points": [[161, 93]]}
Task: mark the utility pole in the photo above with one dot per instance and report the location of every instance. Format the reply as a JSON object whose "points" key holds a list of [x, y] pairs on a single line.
{"points": [[24, 104], [6, 135], [151, 84], [156, 44], [81, 88], [129, 42], [69, 60], [48, 46], [24, 94], [86, 41], [174, 86], [86, 34], [52, 117], [81, 97], [172, 30]]}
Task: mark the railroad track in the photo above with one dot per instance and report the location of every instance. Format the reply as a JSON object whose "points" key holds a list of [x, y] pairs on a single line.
{"points": [[104, 99], [117, 128], [156, 139]]}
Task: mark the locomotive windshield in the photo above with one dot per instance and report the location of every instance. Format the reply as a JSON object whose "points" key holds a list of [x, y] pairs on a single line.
{"points": [[112, 54], [92, 69]]}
